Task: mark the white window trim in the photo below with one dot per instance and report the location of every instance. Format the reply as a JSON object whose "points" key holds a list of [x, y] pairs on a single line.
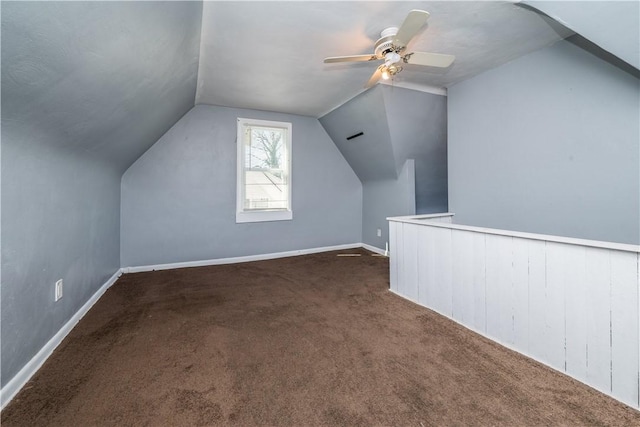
{"points": [[267, 214]]}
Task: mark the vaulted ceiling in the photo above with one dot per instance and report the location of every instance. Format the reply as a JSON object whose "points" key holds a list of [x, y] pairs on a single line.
{"points": [[102, 79], [269, 55], [611, 25], [109, 78]]}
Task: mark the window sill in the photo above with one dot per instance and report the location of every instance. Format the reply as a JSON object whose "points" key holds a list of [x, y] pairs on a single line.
{"points": [[263, 216]]}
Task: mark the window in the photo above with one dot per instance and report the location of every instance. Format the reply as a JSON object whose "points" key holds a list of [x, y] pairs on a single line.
{"points": [[264, 171]]}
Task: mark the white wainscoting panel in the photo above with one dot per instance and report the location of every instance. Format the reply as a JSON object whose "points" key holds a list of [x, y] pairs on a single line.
{"points": [[499, 286], [575, 297], [409, 285], [393, 261], [441, 287], [463, 309], [427, 259], [537, 297], [555, 306], [571, 304], [520, 280], [624, 327], [478, 271], [597, 284]]}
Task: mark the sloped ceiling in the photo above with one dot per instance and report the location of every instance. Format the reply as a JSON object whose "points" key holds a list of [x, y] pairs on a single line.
{"points": [[612, 25], [269, 55], [370, 155], [100, 78], [109, 78], [397, 125]]}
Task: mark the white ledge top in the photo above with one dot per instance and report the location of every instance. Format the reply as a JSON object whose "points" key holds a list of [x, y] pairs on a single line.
{"points": [[424, 220]]}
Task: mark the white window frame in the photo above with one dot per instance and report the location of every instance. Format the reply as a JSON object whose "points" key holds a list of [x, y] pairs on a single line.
{"points": [[266, 214]]}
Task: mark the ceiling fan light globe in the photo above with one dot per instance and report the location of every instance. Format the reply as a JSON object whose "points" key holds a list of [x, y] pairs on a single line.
{"points": [[392, 58], [391, 48]]}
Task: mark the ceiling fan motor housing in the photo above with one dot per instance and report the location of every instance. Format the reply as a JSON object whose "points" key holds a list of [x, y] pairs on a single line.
{"points": [[391, 48], [384, 44]]}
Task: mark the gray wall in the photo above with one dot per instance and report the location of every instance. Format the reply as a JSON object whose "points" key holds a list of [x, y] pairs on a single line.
{"points": [[86, 88], [398, 124], [178, 199], [418, 130], [384, 198], [548, 143], [60, 220]]}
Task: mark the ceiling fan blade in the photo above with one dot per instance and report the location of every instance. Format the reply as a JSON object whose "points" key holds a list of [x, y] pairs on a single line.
{"points": [[377, 75], [353, 58], [429, 59], [410, 27]]}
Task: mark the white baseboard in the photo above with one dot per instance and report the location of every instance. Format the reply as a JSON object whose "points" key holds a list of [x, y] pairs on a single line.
{"points": [[16, 383], [234, 260], [373, 249], [513, 348], [12, 388]]}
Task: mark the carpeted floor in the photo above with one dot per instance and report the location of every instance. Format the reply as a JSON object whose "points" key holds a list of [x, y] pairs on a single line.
{"points": [[302, 341]]}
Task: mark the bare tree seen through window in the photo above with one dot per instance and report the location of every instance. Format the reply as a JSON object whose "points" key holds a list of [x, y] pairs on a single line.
{"points": [[266, 185], [266, 149]]}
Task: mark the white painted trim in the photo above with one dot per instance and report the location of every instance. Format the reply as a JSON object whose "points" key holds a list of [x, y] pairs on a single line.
{"points": [[11, 389], [531, 296], [416, 86], [420, 220], [416, 302], [426, 216], [373, 249], [16, 383], [242, 215], [509, 346], [235, 260], [504, 344], [263, 216]]}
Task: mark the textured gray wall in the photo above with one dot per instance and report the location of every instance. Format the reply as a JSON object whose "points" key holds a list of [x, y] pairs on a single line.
{"points": [[178, 199], [398, 124], [60, 220], [384, 198], [86, 88], [418, 130], [548, 143]]}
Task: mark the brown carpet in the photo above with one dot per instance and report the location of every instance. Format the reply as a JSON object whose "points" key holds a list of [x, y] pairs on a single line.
{"points": [[301, 341]]}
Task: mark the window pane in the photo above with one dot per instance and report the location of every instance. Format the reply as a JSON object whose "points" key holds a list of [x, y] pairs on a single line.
{"points": [[265, 148], [265, 174], [263, 171], [265, 190]]}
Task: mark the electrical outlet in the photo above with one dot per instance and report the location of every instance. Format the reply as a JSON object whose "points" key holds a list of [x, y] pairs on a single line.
{"points": [[58, 290], [379, 233]]}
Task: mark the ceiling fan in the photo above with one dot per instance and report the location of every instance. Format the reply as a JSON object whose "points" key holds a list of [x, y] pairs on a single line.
{"points": [[391, 47]]}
